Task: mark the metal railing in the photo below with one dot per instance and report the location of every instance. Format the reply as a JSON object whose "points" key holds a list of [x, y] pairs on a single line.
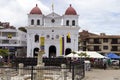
{"points": [[68, 70]]}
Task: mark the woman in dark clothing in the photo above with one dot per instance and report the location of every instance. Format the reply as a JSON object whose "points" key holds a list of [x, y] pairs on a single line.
{"points": [[105, 65]]}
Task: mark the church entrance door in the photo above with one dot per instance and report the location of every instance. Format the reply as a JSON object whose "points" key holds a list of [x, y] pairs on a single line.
{"points": [[52, 51]]}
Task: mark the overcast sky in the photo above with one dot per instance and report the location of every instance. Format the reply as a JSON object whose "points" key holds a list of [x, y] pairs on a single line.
{"points": [[97, 16]]}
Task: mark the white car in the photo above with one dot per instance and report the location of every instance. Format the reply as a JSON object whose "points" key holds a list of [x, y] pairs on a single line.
{"points": [[115, 62]]}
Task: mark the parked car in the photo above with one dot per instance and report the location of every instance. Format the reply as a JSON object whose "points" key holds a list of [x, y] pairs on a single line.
{"points": [[115, 62]]}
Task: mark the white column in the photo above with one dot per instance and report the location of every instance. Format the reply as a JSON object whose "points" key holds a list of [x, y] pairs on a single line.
{"points": [[21, 65], [40, 72]]}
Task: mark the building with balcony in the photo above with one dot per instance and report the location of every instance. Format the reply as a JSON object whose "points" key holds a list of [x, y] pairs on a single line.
{"points": [[101, 43], [14, 40]]}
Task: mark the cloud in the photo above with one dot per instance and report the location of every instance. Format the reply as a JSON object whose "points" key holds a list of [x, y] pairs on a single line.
{"points": [[94, 15], [15, 11], [99, 15]]}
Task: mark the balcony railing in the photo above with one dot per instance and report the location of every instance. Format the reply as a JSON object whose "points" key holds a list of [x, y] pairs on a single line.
{"points": [[9, 43], [94, 42], [12, 43], [114, 42], [94, 49], [114, 49]]}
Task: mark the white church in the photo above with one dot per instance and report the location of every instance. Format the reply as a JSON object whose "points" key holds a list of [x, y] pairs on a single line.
{"points": [[54, 34]]}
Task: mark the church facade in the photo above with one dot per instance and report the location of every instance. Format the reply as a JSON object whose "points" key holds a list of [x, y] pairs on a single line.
{"points": [[54, 34]]}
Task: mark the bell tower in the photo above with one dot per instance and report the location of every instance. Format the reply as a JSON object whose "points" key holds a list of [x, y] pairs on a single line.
{"points": [[70, 18], [35, 17]]}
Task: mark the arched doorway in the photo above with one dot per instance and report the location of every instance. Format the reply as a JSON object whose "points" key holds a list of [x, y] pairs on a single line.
{"points": [[67, 51], [52, 51], [36, 51]]}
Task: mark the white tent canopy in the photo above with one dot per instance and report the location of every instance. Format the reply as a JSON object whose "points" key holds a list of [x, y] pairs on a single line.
{"points": [[72, 55], [91, 54]]}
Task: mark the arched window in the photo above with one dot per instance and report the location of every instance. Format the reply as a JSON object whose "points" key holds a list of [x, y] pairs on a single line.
{"points": [[36, 38], [38, 22], [73, 23], [67, 23], [68, 39], [32, 22]]}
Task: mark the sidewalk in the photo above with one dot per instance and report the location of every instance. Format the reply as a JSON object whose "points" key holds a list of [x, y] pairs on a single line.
{"points": [[101, 74]]}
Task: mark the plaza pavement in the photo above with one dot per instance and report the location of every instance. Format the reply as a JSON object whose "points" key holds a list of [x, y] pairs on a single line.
{"points": [[101, 74]]}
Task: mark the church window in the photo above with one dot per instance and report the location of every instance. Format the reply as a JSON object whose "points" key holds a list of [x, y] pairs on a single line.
{"points": [[52, 38], [38, 22], [53, 20], [73, 23], [57, 36], [32, 22], [67, 23], [52, 30], [36, 38], [48, 36], [68, 39]]}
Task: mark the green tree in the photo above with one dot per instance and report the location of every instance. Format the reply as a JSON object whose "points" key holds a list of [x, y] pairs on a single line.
{"points": [[84, 54], [4, 52], [74, 52], [22, 29]]}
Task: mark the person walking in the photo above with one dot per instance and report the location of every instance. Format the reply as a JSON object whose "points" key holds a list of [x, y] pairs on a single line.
{"points": [[119, 63], [104, 64]]}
